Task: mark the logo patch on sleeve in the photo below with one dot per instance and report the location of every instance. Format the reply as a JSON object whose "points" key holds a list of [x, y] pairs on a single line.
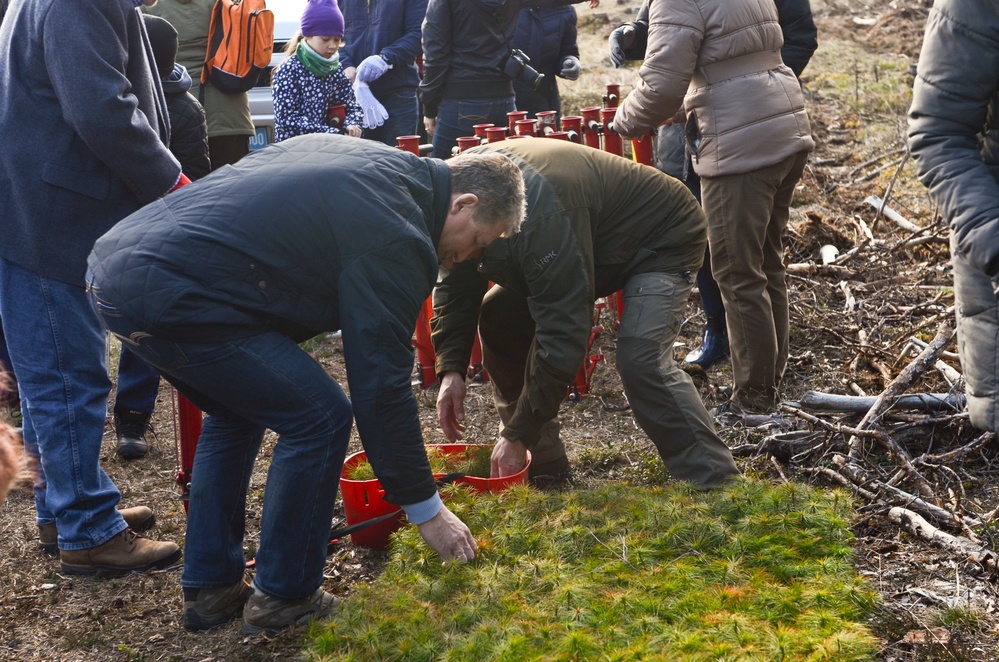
{"points": [[542, 263]]}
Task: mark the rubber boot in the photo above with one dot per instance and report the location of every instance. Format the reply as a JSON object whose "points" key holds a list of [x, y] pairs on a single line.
{"points": [[714, 348]]}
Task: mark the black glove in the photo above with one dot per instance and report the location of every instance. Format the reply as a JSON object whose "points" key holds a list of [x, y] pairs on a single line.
{"points": [[621, 39], [570, 68]]}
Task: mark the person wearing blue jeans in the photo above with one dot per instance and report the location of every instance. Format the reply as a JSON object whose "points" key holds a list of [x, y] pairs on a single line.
{"points": [[382, 42], [135, 399], [468, 65], [84, 144], [217, 296]]}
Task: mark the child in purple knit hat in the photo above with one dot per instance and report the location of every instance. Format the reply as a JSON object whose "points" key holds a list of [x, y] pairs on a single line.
{"points": [[310, 83]]}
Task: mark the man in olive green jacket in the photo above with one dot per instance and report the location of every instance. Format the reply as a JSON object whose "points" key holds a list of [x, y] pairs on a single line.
{"points": [[597, 223]]}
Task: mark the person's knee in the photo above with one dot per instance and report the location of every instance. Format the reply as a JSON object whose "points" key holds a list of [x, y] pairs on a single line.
{"points": [[637, 360]]}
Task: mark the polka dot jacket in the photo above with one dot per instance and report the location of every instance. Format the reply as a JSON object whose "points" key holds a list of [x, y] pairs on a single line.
{"points": [[302, 101]]}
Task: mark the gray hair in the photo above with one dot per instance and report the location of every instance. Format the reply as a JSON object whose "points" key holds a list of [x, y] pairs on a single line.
{"points": [[498, 183]]}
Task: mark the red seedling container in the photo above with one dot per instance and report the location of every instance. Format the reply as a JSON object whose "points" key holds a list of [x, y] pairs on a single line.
{"points": [[467, 142], [480, 130], [512, 118], [409, 144], [495, 134], [364, 499], [479, 484]]}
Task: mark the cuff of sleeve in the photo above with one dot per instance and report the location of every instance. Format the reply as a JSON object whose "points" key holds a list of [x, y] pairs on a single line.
{"points": [[423, 511], [446, 367], [182, 180], [528, 437]]}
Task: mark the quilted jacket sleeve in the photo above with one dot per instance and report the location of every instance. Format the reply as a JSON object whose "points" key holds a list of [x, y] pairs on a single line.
{"points": [[189, 136], [951, 128]]}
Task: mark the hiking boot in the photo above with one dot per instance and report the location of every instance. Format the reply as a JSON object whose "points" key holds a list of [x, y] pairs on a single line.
{"points": [[263, 613], [138, 518], [206, 608], [126, 552], [131, 428]]}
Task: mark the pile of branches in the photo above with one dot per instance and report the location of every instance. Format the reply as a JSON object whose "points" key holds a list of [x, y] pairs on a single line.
{"points": [[907, 453], [865, 443]]}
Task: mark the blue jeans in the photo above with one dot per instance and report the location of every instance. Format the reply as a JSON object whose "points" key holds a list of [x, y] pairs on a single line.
{"points": [[57, 347], [403, 118], [456, 117], [245, 386], [138, 384]]}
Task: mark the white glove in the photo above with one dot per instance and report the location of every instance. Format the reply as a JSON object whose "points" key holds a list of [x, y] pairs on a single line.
{"points": [[570, 68], [374, 112], [372, 68]]}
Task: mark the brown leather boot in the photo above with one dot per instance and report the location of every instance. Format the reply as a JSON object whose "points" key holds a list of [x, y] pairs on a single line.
{"points": [[138, 518], [126, 552]]}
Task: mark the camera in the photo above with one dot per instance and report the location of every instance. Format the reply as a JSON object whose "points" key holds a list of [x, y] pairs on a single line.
{"points": [[518, 68]]}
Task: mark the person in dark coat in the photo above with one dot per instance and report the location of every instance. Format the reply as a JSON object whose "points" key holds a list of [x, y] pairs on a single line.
{"points": [[217, 284], [84, 137], [466, 56], [628, 42], [954, 139], [138, 383], [548, 37], [188, 125], [382, 44]]}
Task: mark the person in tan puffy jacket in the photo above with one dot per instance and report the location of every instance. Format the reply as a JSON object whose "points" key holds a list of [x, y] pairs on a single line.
{"points": [[716, 65]]}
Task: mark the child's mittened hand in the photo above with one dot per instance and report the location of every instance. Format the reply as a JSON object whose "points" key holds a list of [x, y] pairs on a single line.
{"points": [[354, 131]]}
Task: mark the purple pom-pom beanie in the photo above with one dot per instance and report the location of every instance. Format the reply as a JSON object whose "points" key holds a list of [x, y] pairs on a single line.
{"points": [[322, 18]]}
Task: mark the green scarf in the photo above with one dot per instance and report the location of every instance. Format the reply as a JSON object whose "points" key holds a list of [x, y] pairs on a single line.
{"points": [[316, 63]]}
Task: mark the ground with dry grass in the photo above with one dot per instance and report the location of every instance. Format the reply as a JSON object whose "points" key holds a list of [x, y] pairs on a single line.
{"points": [[850, 327]]}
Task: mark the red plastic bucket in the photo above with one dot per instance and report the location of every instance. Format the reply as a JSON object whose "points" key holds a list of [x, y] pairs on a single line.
{"points": [[364, 499], [483, 484]]}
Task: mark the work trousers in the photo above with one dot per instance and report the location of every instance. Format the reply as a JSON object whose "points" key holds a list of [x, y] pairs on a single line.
{"points": [[747, 214], [664, 400]]}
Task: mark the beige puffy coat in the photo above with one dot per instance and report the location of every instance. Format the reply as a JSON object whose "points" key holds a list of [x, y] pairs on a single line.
{"points": [[719, 60]]}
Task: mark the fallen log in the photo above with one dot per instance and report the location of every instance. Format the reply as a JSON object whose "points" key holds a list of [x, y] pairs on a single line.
{"points": [[834, 403], [826, 270]]}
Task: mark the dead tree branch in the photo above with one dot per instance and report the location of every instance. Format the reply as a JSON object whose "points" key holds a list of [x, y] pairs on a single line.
{"points": [[926, 531]]}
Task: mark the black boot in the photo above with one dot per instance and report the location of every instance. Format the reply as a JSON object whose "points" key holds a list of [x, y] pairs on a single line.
{"points": [[713, 349], [131, 428]]}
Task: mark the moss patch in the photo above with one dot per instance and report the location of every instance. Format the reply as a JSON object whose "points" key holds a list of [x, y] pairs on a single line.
{"points": [[754, 571]]}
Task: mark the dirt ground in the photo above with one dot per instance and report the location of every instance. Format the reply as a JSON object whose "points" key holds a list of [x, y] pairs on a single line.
{"points": [[849, 329]]}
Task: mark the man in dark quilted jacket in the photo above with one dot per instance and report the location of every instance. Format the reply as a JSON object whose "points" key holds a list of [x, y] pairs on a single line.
{"points": [[217, 284]]}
